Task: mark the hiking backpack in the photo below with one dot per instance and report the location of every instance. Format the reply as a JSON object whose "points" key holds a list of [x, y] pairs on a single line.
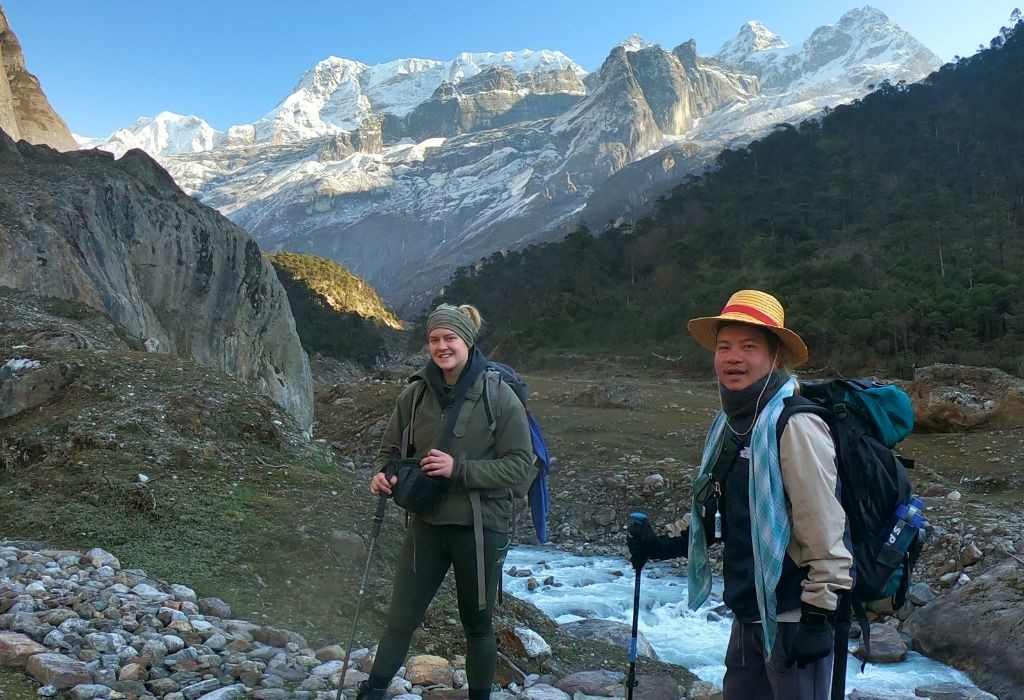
{"points": [[866, 419], [535, 488]]}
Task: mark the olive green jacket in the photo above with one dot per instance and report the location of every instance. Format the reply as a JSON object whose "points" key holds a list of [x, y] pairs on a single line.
{"points": [[489, 463]]}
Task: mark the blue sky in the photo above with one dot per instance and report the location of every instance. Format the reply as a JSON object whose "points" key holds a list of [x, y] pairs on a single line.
{"points": [[106, 62]]}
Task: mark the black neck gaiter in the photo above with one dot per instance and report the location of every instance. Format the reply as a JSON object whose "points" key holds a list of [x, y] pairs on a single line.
{"points": [[741, 406]]}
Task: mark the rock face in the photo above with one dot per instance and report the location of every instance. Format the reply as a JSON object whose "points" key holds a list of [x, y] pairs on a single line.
{"points": [[979, 628], [955, 398], [122, 238], [25, 113]]}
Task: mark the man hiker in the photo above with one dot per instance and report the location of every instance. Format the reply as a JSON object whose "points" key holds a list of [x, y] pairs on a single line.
{"points": [[771, 501]]}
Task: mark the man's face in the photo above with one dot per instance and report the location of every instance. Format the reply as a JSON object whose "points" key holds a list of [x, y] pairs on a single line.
{"points": [[742, 356]]}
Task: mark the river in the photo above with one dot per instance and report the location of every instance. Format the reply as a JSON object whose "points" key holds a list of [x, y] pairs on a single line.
{"points": [[602, 587]]}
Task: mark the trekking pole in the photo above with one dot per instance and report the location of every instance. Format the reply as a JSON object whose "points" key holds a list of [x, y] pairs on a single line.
{"points": [[637, 519], [378, 520], [841, 648]]}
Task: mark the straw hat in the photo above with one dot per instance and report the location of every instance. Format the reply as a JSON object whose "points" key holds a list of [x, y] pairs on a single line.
{"points": [[757, 309]]}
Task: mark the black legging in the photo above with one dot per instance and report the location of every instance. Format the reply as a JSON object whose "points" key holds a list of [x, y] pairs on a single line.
{"points": [[436, 548]]}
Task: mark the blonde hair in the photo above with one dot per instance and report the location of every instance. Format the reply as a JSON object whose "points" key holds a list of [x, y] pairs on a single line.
{"points": [[473, 313]]}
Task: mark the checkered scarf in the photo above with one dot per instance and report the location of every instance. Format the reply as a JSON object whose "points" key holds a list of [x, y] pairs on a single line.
{"points": [[768, 517]]}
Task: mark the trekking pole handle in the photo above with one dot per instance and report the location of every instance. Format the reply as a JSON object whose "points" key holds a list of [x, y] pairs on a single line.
{"points": [[638, 517]]}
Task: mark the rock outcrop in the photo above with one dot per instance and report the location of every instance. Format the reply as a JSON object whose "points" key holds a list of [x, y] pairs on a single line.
{"points": [[120, 236], [25, 113], [979, 628], [955, 398]]}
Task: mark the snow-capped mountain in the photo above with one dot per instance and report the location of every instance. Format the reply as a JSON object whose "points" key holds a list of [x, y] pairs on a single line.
{"points": [[404, 170]]}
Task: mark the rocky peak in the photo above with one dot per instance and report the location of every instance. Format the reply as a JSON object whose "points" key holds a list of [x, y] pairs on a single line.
{"points": [[635, 42], [25, 113], [752, 37]]}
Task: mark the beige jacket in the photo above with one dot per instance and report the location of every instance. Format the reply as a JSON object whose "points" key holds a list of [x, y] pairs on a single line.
{"points": [[808, 460]]}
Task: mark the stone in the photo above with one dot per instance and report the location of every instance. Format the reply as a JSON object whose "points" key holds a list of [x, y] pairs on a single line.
{"points": [[952, 691], [956, 398], [183, 594], [524, 642], [334, 652], [542, 691], [599, 683], [214, 606], [610, 632], [231, 692], [100, 557], [920, 593], [133, 672], [656, 687], [970, 555], [652, 483], [887, 647], [199, 689], [979, 626], [426, 669], [276, 637], [89, 691], [327, 669], [16, 649], [58, 670], [703, 690]]}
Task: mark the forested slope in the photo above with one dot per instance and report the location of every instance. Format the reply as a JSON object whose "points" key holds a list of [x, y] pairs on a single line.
{"points": [[892, 229]]}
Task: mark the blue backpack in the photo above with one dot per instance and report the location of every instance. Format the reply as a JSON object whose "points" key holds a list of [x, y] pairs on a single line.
{"points": [[536, 487]]}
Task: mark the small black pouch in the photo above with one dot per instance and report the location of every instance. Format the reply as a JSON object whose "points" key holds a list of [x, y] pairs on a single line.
{"points": [[417, 492]]}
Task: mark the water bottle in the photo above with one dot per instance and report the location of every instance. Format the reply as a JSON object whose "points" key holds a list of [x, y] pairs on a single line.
{"points": [[909, 518]]}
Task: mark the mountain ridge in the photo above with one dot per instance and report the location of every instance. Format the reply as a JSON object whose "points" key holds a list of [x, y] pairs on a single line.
{"points": [[502, 159]]}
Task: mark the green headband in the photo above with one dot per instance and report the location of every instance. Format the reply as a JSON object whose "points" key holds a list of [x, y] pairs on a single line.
{"points": [[451, 318]]}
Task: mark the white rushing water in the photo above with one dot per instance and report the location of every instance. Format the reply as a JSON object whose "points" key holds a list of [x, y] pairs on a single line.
{"points": [[602, 587]]}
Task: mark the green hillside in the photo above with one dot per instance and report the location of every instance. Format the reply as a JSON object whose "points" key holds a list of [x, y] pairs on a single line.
{"points": [[337, 313], [892, 229]]}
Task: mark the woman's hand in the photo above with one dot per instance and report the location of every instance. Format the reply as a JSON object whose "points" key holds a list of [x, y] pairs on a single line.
{"points": [[380, 484], [438, 463]]}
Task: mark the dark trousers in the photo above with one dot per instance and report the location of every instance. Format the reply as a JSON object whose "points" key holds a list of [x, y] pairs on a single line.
{"points": [[427, 554], [749, 677]]}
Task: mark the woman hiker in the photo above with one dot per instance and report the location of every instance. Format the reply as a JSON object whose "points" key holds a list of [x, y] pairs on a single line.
{"points": [[771, 501], [440, 420]]}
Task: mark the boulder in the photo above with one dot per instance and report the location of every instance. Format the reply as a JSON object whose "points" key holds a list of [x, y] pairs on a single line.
{"points": [[543, 691], [952, 691], [956, 398], [610, 632], [979, 628], [524, 643], [425, 669], [651, 687], [26, 384], [16, 649], [887, 647], [58, 670], [601, 683]]}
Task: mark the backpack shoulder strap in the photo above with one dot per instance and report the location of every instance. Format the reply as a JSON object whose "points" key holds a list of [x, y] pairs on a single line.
{"points": [[408, 438], [798, 404], [492, 379]]}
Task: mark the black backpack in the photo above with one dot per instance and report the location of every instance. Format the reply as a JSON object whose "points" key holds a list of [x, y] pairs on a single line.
{"points": [[867, 419]]}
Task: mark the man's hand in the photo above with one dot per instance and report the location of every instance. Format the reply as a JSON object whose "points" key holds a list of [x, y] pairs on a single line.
{"points": [[815, 637], [641, 541]]}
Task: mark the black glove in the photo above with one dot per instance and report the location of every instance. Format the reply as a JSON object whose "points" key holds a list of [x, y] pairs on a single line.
{"points": [[641, 541], [815, 636]]}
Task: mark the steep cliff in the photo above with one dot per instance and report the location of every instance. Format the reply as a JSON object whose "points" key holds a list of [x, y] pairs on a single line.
{"points": [[120, 236], [25, 113]]}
